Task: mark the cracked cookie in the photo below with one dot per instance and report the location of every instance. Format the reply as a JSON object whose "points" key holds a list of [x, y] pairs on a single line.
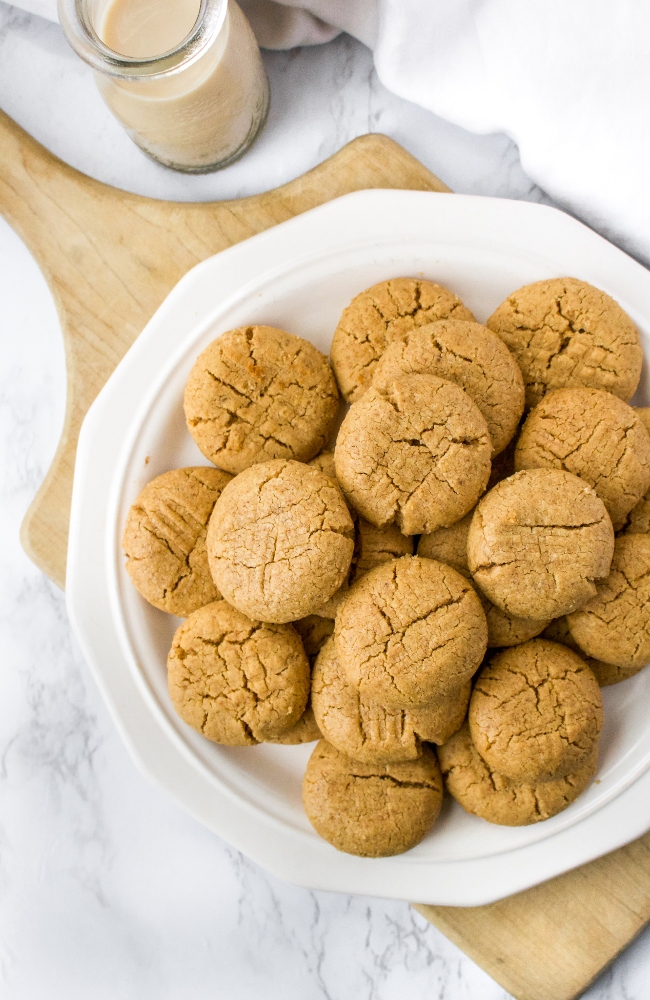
{"points": [[595, 436], [638, 520], [538, 542], [565, 333], [314, 632], [164, 539], [615, 625], [237, 681], [372, 810], [258, 393], [536, 712], [470, 356], [280, 541], [410, 631], [449, 546], [380, 315], [605, 673], [495, 798], [417, 454], [364, 729]]}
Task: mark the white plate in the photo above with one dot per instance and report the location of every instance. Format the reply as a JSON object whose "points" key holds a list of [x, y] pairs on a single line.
{"points": [[299, 276]]}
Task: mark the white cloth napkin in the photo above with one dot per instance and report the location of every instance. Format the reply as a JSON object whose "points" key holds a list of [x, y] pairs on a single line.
{"points": [[569, 82]]}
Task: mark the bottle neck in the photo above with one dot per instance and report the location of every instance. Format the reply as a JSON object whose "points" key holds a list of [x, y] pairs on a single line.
{"points": [[80, 20]]}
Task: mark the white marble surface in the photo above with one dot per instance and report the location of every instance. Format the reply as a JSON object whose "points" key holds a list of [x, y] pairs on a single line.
{"points": [[107, 888]]}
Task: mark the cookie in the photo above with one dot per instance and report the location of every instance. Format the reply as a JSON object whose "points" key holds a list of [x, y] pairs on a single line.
{"points": [[470, 356], [416, 455], [380, 315], [484, 792], [605, 673], [539, 542], [164, 539], [449, 545], [237, 681], [280, 541], [536, 712], [258, 393], [615, 625], [314, 632], [372, 545], [594, 435], [566, 334], [410, 631], [364, 729], [372, 810], [305, 731], [637, 521]]}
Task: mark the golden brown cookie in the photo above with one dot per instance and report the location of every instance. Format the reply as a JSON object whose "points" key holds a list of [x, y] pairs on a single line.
{"points": [[565, 333], [538, 542], [372, 810], [366, 730], [280, 541], [637, 521], [605, 673], [594, 435], [410, 631], [258, 393], [470, 356], [495, 798], [305, 730], [449, 545], [536, 712], [416, 455], [314, 632], [380, 315], [324, 463], [237, 681], [615, 625], [164, 539]]}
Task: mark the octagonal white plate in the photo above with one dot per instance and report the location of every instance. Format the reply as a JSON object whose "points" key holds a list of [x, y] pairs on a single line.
{"points": [[299, 276]]}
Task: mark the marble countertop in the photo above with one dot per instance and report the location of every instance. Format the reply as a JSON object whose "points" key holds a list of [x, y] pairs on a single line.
{"points": [[108, 889]]}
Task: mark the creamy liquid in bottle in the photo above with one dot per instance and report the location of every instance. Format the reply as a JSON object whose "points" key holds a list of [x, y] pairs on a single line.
{"points": [[201, 116]]}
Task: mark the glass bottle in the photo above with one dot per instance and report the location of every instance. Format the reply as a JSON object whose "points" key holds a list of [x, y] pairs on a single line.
{"points": [[196, 107]]}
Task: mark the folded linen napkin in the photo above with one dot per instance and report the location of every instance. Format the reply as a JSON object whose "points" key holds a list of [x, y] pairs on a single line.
{"points": [[569, 82]]}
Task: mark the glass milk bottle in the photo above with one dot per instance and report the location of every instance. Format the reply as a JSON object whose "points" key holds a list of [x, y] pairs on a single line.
{"points": [[184, 77]]}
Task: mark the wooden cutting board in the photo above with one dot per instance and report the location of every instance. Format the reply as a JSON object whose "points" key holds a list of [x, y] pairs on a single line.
{"points": [[110, 258]]}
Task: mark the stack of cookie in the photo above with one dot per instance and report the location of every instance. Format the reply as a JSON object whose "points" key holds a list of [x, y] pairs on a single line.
{"points": [[308, 615]]}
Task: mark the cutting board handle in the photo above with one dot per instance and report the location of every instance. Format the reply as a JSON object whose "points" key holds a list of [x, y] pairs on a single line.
{"points": [[110, 258]]}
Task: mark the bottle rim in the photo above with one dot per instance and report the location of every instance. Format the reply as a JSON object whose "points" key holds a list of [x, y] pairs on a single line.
{"points": [[84, 39]]}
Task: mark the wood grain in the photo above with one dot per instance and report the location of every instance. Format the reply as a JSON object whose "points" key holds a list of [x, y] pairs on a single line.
{"points": [[110, 258], [550, 942]]}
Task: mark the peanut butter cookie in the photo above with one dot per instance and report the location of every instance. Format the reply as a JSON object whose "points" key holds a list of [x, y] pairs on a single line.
{"points": [[235, 680], [495, 798], [164, 539], [615, 625], [594, 435], [637, 521], [536, 712], [372, 810], [410, 631], [380, 315], [605, 673], [280, 541], [258, 393], [470, 356], [565, 334], [538, 542], [449, 545], [364, 729], [416, 455]]}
